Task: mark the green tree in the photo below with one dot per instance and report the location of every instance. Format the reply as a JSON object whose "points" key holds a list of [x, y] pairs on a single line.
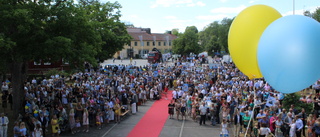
{"points": [[214, 37], [175, 32], [50, 30], [106, 20], [315, 15], [293, 99], [188, 42]]}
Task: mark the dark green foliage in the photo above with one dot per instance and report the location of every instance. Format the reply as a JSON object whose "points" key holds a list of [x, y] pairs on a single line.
{"points": [[293, 98], [51, 30], [215, 36], [187, 43]]}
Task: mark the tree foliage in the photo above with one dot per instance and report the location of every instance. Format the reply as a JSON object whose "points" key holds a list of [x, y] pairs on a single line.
{"points": [[315, 15], [214, 37], [50, 30], [293, 99], [188, 42]]}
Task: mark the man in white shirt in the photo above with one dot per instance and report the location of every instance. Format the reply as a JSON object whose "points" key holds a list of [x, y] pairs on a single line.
{"points": [[5, 88], [203, 111], [175, 94], [4, 121], [299, 126]]}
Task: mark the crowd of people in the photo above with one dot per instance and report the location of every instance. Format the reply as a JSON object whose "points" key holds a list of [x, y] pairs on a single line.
{"points": [[223, 95], [218, 93]]}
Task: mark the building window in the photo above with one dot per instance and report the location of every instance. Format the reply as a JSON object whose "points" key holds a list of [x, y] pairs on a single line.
{"points": [[148, 43], [135, 43], [159, 43], [169, 43], [64, 61], [129, 44], [164, 43], [47, 63], [154, 43], [37, 63]]}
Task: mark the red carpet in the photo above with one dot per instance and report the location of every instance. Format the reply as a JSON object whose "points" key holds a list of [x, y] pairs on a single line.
{"points": [[153, 121]]}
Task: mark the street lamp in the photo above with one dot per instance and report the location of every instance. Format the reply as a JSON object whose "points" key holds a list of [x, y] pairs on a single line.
{"points": [[293, 6], [141, 44]]}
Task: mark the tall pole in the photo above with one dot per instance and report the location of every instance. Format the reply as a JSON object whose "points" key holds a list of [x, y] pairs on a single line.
{"points": [[293, 6], [142, 44]]}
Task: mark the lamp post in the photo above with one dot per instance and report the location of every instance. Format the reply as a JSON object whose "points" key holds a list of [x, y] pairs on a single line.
{"points": [[293, 6], [142, 44]]}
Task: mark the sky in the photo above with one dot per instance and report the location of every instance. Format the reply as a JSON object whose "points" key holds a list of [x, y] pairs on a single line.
{"points": [[164, 15]]}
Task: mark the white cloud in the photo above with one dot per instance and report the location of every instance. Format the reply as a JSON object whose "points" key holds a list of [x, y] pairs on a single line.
{"points": [[170, 17], [225, 10], [223, 0], [134, 16], [300, 11], [176, 3], [191, 5], [201, 4], [252, 1], [212, 17]]}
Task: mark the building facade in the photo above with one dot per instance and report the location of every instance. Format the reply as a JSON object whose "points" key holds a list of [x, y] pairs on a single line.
{"points": [[144, 41]]}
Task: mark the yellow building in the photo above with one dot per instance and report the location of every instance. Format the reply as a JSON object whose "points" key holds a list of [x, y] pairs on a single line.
{"points": [[144, 41]]}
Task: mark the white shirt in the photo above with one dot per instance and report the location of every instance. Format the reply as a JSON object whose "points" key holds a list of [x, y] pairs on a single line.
{"points": [[5, 87], [299, 124], [203, 110], [264, 131]]}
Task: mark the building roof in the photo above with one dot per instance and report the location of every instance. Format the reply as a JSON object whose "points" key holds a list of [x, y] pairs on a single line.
{"points": [[136, 32]]}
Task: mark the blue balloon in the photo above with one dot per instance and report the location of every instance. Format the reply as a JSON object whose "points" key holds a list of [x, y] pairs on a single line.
{"points": [[289, 53]]}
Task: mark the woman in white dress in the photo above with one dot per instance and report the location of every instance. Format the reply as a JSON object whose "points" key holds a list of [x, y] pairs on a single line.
{"points": [[72, 121], [224, 126], [85, 120], [292, 132]]}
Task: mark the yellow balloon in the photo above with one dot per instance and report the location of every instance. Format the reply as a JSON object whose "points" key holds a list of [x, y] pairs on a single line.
{"points": [[244, 34]]}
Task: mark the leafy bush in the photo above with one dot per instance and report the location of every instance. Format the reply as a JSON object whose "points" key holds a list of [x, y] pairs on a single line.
{"points": [[294, 98]]}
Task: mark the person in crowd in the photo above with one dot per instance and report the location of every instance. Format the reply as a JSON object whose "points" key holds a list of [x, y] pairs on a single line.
{"points": [[316, 128], [272, 123], [278, 124], [117, 112], [299, 126], [178, 108], [238, 122], [246, 121], [293, 128], [23, 130], [16, 129], [4, 121], [303, 117], [171, 107], [38, 132], [43, 124], [85, 121], [78, 124], [203, 112], [72, 122], [183, 109], [224, 128], [264, 131], [55, 126]]}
